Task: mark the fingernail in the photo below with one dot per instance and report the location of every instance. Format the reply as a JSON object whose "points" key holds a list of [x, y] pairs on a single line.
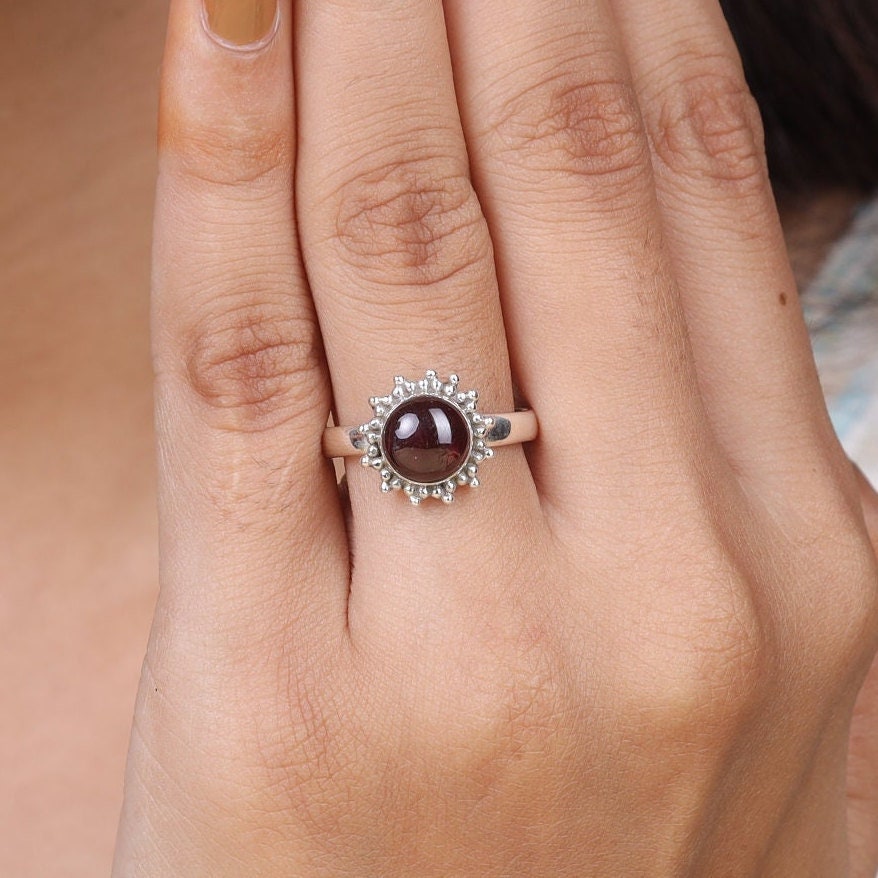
{"points": [[241, 24]]}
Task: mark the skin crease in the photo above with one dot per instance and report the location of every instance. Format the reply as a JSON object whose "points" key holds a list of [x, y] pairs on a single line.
{"points": [[77, 530]]}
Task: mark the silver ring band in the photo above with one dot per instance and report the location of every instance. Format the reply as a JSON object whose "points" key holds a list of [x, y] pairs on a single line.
{"points": [[426, 438], [507, 429]]}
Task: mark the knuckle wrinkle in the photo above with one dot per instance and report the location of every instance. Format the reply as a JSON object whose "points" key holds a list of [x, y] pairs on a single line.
{"points": [[410, 223], [256, 363], [590, 129], [708, 126], [229, 153]]}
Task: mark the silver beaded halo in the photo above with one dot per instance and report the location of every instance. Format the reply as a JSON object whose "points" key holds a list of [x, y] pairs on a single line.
{"points": [[404, 391]]}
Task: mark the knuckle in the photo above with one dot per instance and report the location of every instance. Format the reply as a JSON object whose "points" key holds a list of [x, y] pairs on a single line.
{"points": [[710, 655], [579, 129], [720, 673], [824, 550], [300, 764], [254, 363], [840, 631], [707, 125], [234, 152], [410, 222], [517, 707]]}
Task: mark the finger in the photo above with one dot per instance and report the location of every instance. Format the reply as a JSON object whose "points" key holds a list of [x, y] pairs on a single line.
{"points": [[751, 346], [869, 500], [862, 781], [561, 163], [862, 785], [252, 536], [400, 266]]}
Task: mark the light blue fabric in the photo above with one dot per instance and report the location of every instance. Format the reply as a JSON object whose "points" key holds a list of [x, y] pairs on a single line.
{"points": [[841, 310]]}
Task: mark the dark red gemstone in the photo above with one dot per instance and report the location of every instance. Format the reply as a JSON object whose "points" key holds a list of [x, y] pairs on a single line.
{"points": [[426, 440]]}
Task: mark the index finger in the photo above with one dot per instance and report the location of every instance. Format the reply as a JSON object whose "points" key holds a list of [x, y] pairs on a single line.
{"points": [[251, 529]]}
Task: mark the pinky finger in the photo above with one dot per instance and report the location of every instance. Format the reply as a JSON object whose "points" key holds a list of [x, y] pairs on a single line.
{"points": [[752, 351], [862, 784]]}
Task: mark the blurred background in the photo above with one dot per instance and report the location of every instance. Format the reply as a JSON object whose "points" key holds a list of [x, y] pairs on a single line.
{"points": [[78, 100]]}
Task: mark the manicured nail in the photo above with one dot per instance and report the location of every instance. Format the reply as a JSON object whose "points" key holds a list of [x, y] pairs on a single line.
{"points": [[242, 24]]}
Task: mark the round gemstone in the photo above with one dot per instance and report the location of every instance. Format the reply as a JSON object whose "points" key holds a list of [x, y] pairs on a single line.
{"points": [[427, 440]]}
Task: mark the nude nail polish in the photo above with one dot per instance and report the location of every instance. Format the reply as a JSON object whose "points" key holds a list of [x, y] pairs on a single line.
{"points": [[241, 24]]}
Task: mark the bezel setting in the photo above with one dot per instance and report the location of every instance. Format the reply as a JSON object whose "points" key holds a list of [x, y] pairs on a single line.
{"points": [[404, 391]]}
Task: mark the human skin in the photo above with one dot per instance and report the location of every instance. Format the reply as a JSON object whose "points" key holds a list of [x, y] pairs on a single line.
{"points": [[638, 667], [78, 431]]}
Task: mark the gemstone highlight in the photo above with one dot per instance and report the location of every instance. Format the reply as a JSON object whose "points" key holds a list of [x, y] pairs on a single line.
{"points": [[427, 440]]}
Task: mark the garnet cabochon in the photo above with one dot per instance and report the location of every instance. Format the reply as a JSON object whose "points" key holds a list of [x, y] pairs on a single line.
{"points": [[427, 440]]}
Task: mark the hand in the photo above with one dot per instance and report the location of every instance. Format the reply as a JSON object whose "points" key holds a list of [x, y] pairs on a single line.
{"points": [[636, 649], [862, 788]]}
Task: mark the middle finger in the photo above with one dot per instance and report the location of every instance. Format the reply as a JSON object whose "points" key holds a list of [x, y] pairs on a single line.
{"points": [[397, 250], [395, 245]]}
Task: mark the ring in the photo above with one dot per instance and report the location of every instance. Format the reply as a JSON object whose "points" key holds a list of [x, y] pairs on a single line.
{"points": [[427, 438]]}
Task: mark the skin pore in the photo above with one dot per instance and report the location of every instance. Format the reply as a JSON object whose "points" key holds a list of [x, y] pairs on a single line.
{"points": [[78, 556]]}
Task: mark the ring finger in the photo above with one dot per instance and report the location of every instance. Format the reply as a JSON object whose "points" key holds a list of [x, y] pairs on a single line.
{"points": [[561, 161]]}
